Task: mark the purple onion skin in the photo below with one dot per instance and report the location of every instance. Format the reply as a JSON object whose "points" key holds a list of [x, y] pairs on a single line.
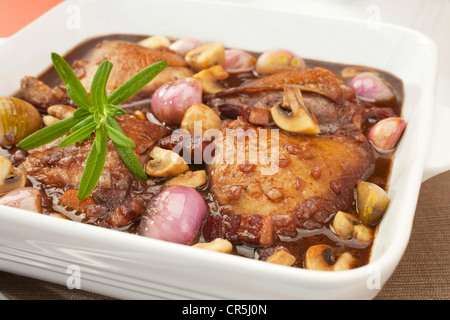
{"points": [[171, 100], [237, 60], [386, 133], [370, 87], [175, 215], [184, 45], [26, 198]]}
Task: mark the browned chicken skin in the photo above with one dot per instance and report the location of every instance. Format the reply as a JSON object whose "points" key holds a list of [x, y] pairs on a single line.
{"points": [[61, 168], [137, 58], [309, 179], [314, 177], [128, 58], [325, 94]]}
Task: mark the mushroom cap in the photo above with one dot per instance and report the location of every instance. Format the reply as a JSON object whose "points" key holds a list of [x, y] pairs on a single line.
{"points": [[300, 119], [10, 177], [322, 257], [165, 164]]}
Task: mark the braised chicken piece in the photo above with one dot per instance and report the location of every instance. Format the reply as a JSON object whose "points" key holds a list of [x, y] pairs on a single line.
{"points": [[61, 168], [332, 102], [39, 94], [137, 58], [300, 178]]}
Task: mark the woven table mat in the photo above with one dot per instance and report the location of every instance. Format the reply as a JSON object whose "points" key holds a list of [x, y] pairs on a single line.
{"points": [[423, 272]]}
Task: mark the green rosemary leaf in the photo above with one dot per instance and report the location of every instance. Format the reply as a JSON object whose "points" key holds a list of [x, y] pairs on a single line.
{"points": [[116, 111], [101, 138], [88, 120], [96, 113], [93, 168], [78, 135], [80, 112], [49, 134], [75, 89], [127, 154], [136, 83], [119, 138], [98, 93], [131, 161]]}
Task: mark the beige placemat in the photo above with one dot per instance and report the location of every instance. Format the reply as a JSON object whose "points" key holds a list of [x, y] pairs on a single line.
{"points": [[423, 272]]}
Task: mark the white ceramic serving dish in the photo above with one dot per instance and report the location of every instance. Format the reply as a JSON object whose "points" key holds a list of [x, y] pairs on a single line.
{"points": [[128, 266]]}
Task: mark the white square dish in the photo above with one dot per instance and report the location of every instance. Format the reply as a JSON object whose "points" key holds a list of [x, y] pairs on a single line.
{"points": [[127, 266]]}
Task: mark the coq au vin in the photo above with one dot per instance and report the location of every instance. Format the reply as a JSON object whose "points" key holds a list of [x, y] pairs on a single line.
{"points": [[266, 155]]}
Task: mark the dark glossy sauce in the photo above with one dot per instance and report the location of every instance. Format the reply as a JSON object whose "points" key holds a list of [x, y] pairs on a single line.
{"points": [[304, 238]]}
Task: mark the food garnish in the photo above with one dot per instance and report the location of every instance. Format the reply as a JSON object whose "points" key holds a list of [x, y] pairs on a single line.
{"points": [[95, 113]]}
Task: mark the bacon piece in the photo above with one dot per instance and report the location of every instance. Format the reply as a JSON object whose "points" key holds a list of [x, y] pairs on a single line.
{"points": [[253, 230], [61, 168]]}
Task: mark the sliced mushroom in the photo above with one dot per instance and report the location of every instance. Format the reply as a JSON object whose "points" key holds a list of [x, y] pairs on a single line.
{"points": [[206, 56], [346, 226], [59, 215], [57, 112], [218, 245], [293, 115], [165, 164], [363, 232], [322, 257], [61, 111], [282, 257], [200, 118], [210, 79], [193, 179], [49, 120], [353, 71], [10, 177], [155, 42]]}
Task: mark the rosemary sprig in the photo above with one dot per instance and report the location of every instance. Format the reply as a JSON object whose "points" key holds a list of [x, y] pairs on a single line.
{"points": [[95, 114]]}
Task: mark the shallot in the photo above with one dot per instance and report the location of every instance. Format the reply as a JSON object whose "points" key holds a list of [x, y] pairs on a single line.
{"points": [[184, 45], [237, 60], [386, 133], [171, 100], [371, 203], [175, 215], [370, 87], [26, 198], [278, 60]]}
